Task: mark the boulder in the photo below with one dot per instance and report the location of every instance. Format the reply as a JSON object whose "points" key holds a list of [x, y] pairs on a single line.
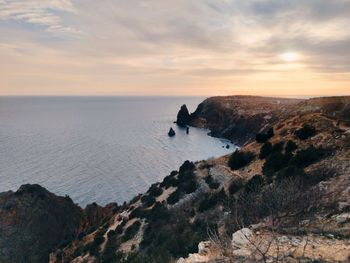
{"points": [[240, 239]]}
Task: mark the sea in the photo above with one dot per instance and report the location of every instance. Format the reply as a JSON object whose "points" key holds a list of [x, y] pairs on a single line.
{"points": [[97, 149]]}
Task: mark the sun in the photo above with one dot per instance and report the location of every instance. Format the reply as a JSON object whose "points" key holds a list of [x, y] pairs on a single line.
{"points": [[289, 56]]}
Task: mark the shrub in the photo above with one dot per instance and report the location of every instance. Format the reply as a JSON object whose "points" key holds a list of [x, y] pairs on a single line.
{"points": [[235, 187], [265, 150], [308, 156], [254, 184], [186, 171], [289, 172], [131, 231], [148, 200], [174, 197], [305, 132], [291, 146], [264, 137], [189, 187], [275, 162], [94, 247], [278, 147], [211, 200], [211, 182], [155, 191], [169, 181], [240, 159]]}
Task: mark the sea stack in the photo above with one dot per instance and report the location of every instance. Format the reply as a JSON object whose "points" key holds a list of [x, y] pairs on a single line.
{"points": [[171, 132], [183, 116]]}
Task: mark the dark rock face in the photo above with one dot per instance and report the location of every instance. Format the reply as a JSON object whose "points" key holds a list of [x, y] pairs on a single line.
{"points": [[239, 118], [183, 116], [33, 222]]}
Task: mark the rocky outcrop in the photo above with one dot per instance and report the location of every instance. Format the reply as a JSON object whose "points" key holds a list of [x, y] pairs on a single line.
{"points": [[171, 132], [183, 116], [240, 118], [33, 222]]}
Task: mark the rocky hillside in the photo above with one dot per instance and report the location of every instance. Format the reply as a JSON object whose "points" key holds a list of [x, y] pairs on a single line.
{"points": [[33, 222], [283, 197], [240, 118]]}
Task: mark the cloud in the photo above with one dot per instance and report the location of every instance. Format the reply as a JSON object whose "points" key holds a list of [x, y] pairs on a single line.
{"points": [[42, 13], [143, 43]]}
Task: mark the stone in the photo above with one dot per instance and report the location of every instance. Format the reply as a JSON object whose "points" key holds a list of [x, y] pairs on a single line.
{"points": [[241, 238], [343, 218]]}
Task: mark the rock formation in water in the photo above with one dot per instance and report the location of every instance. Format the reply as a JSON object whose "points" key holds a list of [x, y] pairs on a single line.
{"points": [[171, 132], [183, 116]]}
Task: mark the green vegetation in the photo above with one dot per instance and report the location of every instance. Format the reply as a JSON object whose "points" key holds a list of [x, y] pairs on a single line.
{"points": [[155, 191], [304, 158], [264, 137], [147, 200], [240, 159], [131, 231], [171, 238], [305, 132], [174, 197], [94, 247], [235, 187], [291, 146], [265, 150], [211, 182], [211, 200], [275, 162]]}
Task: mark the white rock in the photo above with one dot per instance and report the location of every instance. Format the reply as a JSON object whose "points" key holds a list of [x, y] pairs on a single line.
{"points": [[241, 238], [204, 247], [342, 218]]}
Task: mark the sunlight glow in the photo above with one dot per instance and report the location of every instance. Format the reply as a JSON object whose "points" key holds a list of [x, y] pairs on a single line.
{"points": [[289, 56]]}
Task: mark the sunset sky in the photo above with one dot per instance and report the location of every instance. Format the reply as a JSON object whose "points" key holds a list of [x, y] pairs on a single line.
{"points": [[175, 47]]}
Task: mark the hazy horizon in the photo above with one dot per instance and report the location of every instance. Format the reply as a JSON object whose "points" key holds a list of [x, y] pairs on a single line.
{"points": [[183, 48]]}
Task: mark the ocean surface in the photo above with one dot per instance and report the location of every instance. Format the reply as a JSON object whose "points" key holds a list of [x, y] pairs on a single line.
{"points": [[96, 149]]}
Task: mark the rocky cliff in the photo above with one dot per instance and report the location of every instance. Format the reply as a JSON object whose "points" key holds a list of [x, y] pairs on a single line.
{"points": [[33, 222], [284, 197], [240, 118]]}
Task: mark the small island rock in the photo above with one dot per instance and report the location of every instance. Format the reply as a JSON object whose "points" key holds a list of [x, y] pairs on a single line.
{"points": [[171, 132]]}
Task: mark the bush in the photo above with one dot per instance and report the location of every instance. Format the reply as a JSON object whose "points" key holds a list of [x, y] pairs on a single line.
{"points": [[275, 162], [211, 200], [148, 200], [289, 172], [169, 181], [94, 247], [304, 158], [291, 146], [155, 191], [278, 147], [235, 187], [174, 197], [254, 184], [131, 231], [186, 171], [265, 150], [240, 159], [305, 132], [264, 137], [211, 182], [189, 187]]}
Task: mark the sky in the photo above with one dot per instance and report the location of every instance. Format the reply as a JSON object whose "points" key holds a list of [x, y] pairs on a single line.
{"points": [[175, 47]]}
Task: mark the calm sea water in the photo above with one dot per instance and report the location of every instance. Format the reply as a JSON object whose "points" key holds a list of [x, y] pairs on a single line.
{"points": [[96, 149]]}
